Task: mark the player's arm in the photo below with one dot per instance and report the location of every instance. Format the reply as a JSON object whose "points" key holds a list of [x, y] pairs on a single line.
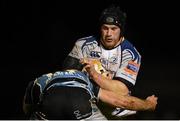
{"points": [[71, 63], [27, 101], [128, 102], [104, 82], [31, 97], [115, 92], [27, 107], [72, 60]]}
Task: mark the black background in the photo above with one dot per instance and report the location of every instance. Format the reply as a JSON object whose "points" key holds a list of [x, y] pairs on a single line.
{"points": [[37, 35]]}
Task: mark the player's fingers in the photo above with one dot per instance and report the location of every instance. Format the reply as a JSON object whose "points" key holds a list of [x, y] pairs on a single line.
{"points": [[87, 66], [154, 97], [82, 60]]}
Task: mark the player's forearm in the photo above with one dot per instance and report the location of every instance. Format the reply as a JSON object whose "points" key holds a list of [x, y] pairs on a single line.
{"points": [[102, 81], [109, 84], [134, 103], [126, 102], [27, 108]]}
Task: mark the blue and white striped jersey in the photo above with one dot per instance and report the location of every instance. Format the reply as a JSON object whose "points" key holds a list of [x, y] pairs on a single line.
{"points": [[122, 62]]}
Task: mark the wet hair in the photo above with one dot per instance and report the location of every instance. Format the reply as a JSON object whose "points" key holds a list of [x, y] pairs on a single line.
{"points": [[113, 16]]}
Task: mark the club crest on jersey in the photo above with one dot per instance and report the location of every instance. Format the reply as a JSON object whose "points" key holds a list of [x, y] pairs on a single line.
{"points": [[95, 54], [132, 68], [113, 60]]}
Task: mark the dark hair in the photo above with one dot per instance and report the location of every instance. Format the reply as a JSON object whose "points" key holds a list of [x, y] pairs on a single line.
{"points": [[113, 15]]}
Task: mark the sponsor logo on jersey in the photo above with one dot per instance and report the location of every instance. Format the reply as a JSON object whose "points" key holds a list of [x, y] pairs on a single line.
{"points": [[95, 54], [113, 60], [132, 68]]}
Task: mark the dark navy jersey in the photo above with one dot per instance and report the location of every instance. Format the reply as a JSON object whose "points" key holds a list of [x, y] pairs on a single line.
{"points": [[61, 95], [69, 78]]}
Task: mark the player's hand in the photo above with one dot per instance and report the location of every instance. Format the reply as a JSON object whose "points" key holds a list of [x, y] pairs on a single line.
{"points": [[92, 65], [95, 65], [152, 101], [88, 65]]}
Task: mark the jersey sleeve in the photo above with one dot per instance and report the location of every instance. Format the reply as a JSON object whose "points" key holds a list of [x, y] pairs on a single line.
{"points": [[130, 64], [35, 88], [76, 52], [32, 93], [28, 97], [73, 58], [71, 63]]}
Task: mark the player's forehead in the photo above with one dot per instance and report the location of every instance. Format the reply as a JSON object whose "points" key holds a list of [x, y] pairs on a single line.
{"points": [[109, 26]]}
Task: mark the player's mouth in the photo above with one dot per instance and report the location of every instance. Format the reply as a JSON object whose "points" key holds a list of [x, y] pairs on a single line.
{"points": [[109, 40]]}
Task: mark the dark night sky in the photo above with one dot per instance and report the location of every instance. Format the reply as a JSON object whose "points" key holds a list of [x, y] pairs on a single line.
{"points": [[36, 37]]}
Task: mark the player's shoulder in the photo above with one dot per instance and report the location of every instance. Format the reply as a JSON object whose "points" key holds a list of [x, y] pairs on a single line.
{"points": [[43, 79], [126, 44], [87, 39]]}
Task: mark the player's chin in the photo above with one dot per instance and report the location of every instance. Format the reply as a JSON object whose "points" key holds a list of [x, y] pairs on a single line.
{"points": [[109, 45]]}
